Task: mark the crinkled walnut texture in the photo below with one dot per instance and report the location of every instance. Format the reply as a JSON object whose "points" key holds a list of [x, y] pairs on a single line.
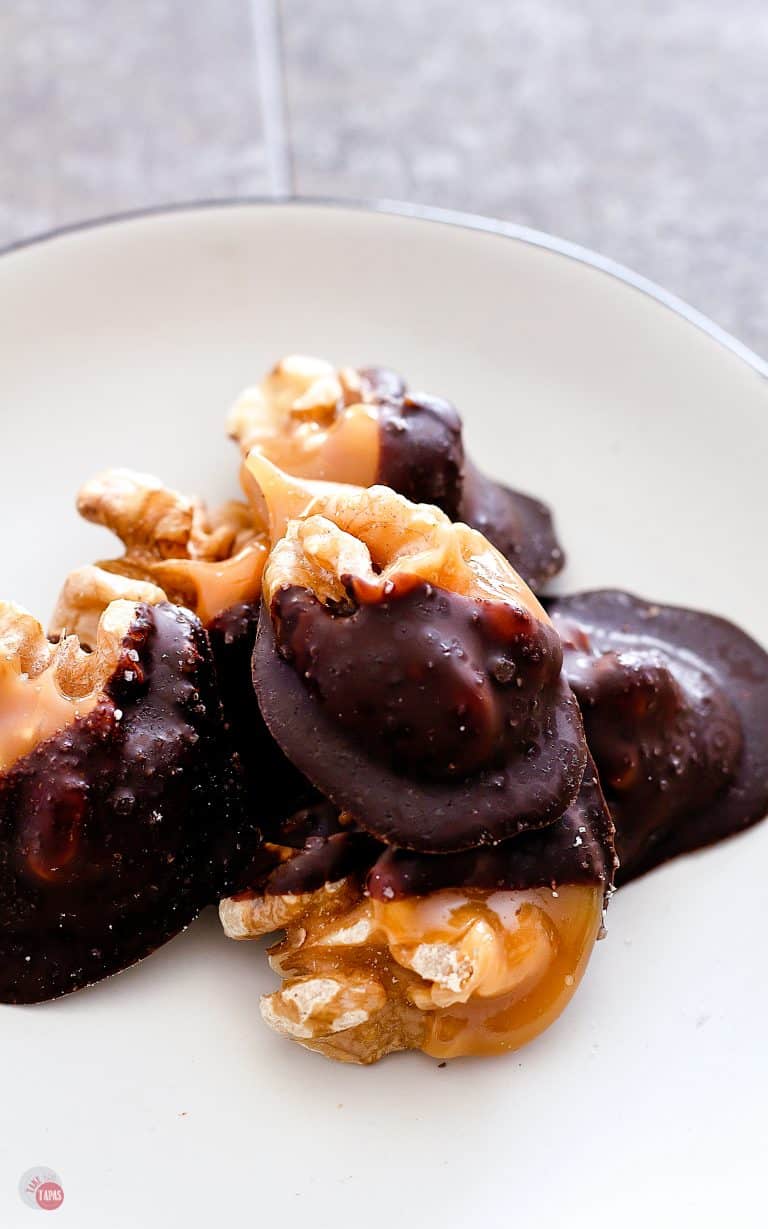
{"points": [[208, 562], [363, 427], [408, 671], [333, 538], [455, 973], [86, 594]]}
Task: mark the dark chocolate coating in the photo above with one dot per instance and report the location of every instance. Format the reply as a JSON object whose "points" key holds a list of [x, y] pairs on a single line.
{"points": [[274, 788], [439, 723], [382, 384], [115, 832], [422, 456], [576, 849], [675, 706], [326, 851]]}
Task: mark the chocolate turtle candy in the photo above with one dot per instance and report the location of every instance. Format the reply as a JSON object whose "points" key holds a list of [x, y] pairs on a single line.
{"points": [[453, 954], [119, 810], [675, 706], [409, 673], [364, 427]]}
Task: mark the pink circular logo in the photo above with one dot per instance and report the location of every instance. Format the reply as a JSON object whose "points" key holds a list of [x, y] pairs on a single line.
{"points": [[49, 1195], [41, 1188]]}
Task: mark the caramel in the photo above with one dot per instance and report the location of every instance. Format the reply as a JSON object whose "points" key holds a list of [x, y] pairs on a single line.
{"points": [[347, 451], [211, 587], [302, 420], [32, 710], [45, 687], [527, 952]]}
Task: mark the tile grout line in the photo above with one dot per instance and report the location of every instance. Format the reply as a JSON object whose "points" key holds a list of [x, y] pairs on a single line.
{"points": [[265, 22]]}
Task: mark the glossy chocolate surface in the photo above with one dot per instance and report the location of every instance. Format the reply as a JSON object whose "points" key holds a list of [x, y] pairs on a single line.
{"points": [[675, 706], [115, 832], [438, 722], [422, 457], [421, 452]]}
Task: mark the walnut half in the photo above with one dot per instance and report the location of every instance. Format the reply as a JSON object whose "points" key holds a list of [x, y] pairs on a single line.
{"points": [[458, 972]]}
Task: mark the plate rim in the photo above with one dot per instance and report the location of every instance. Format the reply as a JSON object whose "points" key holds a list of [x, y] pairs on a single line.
{"points": [[455, 218], [230, 1058]]}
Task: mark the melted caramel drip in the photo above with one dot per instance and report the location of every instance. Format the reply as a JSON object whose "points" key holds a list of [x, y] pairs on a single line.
{"points": [[346, 451], [528, 951], [210, 587]]}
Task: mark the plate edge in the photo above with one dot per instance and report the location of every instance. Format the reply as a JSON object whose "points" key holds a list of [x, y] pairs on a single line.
{"points": [[427, 213]]}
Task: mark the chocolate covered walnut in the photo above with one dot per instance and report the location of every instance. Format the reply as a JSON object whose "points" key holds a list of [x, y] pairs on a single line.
{"points": [[475, 953]]}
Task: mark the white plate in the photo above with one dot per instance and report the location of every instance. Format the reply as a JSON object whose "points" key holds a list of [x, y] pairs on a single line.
{"points": [[159, 1097]]}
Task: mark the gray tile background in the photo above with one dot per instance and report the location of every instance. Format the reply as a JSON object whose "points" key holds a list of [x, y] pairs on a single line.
{"points": [[639, 130]]}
